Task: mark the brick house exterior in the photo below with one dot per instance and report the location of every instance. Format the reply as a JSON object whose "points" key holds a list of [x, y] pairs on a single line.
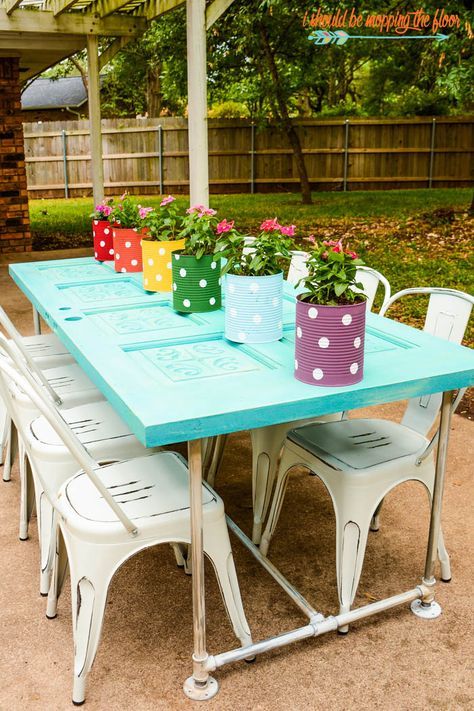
{"points": [[15, 233]]}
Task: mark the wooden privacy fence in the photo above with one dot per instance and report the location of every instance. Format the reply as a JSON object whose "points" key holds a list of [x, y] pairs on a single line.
{"points": [[151, 155]]}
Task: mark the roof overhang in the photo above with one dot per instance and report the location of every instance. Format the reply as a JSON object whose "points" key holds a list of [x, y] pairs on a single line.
{"points": [[41, 40]]}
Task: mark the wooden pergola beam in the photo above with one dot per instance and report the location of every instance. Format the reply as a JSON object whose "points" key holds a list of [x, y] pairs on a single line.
{"points": [[152, 9], [109, 53], [60, 6], [10, 5], [104, 8], [215, 10], [43, 22]]}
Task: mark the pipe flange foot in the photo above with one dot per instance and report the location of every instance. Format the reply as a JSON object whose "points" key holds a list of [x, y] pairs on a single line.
{"points": [[426, 612], [200, 692]]}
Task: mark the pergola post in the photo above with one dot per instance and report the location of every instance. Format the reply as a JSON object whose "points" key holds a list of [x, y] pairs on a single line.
{"points": [[197, 102], [93, 89]]}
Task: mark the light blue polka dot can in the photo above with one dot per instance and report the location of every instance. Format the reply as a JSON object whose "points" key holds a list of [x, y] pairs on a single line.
{"points": [[254, 308]]}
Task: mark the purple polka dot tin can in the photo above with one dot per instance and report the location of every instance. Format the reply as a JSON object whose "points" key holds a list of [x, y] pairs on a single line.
{"points": [[329, 343]]}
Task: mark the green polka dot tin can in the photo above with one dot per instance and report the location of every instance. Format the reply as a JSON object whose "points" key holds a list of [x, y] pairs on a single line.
{"points": [[196, 283], [254, 308]]}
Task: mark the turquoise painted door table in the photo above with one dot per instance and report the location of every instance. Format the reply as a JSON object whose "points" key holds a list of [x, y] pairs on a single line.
{"points": [[175, 378]]}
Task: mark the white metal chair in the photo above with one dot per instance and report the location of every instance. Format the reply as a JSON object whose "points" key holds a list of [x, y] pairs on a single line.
{"points": [[97, 426], [40, 352], [107, 513], [268, 441], [361, 460]]}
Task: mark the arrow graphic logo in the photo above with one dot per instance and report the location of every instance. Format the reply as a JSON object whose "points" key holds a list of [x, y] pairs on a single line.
{"points": [[322, 37]]}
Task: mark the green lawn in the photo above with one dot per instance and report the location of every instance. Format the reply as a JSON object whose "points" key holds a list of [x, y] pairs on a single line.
{"points": [[415, 237], [70, 217]]}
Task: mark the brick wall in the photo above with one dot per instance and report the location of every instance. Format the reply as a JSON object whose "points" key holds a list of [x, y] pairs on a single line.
{"points": [[14, 220]]}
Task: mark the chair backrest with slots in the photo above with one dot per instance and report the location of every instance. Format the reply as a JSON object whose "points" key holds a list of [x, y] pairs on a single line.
{"points": [[447, 317], [14, 373]]}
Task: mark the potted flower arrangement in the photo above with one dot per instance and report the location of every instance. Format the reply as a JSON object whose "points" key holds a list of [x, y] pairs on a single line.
{"points": [[254, 280], [330, 318], [196, 268], [102, 230], [128, 226], [162, 238]]}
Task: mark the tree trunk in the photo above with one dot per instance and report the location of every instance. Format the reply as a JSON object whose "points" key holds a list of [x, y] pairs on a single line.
{"points": [[153, 93], [285, 119]]}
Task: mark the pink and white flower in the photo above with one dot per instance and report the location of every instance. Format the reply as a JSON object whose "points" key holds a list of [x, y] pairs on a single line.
{"points": [[167, 201], [144, 211]]}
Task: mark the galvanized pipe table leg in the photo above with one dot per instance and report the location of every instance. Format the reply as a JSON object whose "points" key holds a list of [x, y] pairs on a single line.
{"points": [[36, 322], [427, 607], [200, 686]]}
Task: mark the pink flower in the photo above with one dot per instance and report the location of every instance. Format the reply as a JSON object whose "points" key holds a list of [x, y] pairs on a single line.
{"points": [[270, 225], [336, 245], [225, 226], [351, 254], [143, 212], [195, 208], [312, 239], [201, 210], [122, 197], [106, 210], [167, 201], [289, 231]]}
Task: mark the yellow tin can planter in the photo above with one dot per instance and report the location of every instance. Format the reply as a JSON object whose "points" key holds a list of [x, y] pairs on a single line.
{"points": [[157, 263]]}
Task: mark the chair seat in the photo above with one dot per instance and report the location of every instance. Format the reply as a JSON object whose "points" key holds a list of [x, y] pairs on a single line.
{"points": [[91, 423], [44, 345], [358, 444], [152, 491], [144, 487], [70, 382]]}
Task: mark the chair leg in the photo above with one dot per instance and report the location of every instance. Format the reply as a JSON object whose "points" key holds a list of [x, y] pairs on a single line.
{"points": [[217, 548], [7, 448], [351, 541], [89, 598], [27, 498], [47, 531], [178, 550], [266, 446], [60, 566], [286, 464], [5, 424], [375, 520], [443, 556], [216, 458]]}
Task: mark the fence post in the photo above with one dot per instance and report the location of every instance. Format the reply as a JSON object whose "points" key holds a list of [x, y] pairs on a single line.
{"points": [[433, 135], [160, 157], [66, 181], [252, 158], [346, 154]]}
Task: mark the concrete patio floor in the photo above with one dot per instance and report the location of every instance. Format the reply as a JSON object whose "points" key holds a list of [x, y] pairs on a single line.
{"points": [[393, 661]]}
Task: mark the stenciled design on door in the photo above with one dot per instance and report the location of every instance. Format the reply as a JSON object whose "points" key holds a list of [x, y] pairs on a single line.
{"points": [[200, 360], [74, 273], [155, 318], [106, 291]]}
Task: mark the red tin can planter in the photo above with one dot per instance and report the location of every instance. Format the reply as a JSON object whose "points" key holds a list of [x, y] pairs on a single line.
{"points": [[127, 250], [329, 343], [102, 233]]}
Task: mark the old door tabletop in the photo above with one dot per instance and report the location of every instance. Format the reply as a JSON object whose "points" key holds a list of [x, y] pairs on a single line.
{"points": [[175, 377]]}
